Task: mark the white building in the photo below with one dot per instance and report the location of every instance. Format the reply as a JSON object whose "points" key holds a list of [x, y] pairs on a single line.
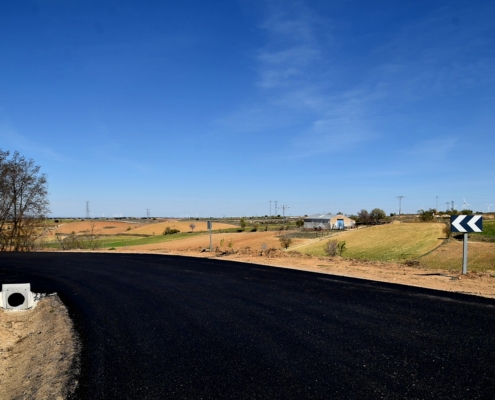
{"points": [[328, 221]]}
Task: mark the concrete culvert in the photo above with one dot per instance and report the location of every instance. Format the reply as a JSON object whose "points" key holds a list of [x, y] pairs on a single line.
{"points": [[16, 300], [16, 296]]}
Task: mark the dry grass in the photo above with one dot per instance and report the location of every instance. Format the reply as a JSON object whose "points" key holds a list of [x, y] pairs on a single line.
{"points": [[481, 256], [392, 242]]}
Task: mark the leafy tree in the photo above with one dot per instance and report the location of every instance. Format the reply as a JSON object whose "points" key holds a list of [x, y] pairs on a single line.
{"points": [[192, 225], [23, 202], [300, 223], [377, 215], [363, 217]]}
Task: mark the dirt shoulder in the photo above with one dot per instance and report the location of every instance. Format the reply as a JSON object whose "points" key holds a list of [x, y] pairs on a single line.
{"points": [[38, 352]]}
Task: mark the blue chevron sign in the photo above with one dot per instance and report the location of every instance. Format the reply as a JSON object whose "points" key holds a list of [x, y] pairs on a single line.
{"points": [[466, 223]]}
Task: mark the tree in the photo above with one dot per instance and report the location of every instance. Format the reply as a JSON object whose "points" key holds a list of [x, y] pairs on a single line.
{"points": [[363, 217], [23, 202], [377, 215], [192, 225], [300, 223]]}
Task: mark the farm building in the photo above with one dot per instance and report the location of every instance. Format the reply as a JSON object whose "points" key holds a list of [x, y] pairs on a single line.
{"points": [[328, 221]]}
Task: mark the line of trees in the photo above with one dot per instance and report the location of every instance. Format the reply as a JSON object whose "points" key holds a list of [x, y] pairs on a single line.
{"points": [[373, 217], [24, 204]]}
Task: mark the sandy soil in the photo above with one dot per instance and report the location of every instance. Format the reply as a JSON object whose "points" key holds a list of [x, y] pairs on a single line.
{"points": [[38, 352], [100, 227], [254, 240]]}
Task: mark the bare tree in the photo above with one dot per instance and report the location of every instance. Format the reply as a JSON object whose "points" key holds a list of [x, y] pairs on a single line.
{"points": [[23, 202], [91, 237], [192, 225]]}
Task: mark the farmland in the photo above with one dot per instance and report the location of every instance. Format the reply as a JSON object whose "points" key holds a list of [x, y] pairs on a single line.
{"points": [[425, 243], [392, 242]]}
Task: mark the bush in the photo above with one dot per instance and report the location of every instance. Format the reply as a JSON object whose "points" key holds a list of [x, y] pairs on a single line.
{"points": [[446, 230], [426, 215], [285, 241], [334, 248], [170, 231]]}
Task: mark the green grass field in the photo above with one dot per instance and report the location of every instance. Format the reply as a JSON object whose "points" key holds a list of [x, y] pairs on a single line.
{"points": [[391, 242], [488, 229], [124, 241]]}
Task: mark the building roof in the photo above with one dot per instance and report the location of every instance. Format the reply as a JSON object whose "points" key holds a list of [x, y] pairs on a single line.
{"points": [[321, 216]]}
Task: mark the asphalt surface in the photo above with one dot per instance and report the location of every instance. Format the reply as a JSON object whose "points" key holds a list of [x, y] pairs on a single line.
{"points": [[158, 327]]}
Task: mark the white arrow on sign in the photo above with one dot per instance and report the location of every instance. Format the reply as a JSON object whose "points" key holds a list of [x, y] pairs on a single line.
{"points": [[457, 223], [472, 223]]}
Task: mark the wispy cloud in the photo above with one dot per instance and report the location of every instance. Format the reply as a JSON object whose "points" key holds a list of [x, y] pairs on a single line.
{"points": [[21, 143], [302, 72]]}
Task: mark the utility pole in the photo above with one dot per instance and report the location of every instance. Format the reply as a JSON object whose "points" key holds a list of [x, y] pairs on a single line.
{"points": [[276, 208], [148, 213], [283, 211], [400, 203], [452, 205], [87, 210]]}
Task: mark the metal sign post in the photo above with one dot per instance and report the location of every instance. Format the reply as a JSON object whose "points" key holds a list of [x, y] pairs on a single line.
{"points": [[209, 226], [465, 254], [466, 224]]}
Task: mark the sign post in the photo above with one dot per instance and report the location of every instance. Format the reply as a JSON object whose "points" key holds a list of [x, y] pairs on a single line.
{"points": [[466, 224], [209, 226]]}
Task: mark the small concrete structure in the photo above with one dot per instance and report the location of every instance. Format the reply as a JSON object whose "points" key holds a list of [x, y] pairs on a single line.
{"points": [[16, 296], [328, 221]]}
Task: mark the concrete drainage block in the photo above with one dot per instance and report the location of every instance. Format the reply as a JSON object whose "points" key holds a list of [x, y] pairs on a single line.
{"points": [[16, 296]]}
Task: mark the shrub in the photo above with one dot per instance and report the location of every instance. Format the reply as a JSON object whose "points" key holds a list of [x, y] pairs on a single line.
{"points": [[426, 215], [285, 241], [446, 230], [170, 231], [243, 223], [334, 248]]}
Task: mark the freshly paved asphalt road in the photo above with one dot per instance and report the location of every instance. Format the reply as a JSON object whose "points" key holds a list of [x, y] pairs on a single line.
{"points": [[158, 327]]}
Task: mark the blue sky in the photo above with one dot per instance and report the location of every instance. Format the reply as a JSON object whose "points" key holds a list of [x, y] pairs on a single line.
{"points": [[215, 108]]}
